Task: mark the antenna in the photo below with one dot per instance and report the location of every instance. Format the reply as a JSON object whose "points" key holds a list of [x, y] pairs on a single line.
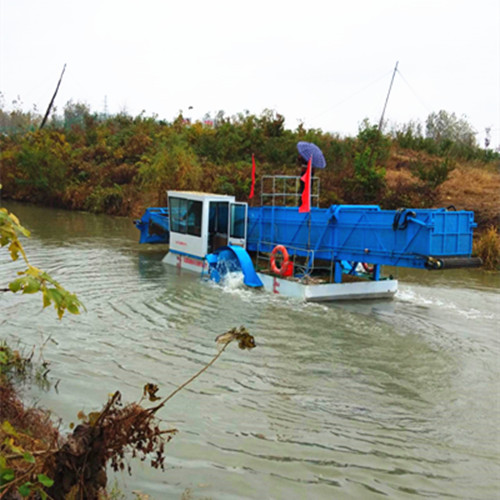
{"points": [[387, 98]]}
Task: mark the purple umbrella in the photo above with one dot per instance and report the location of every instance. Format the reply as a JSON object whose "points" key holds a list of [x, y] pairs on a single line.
{"points": [[308, 149]]}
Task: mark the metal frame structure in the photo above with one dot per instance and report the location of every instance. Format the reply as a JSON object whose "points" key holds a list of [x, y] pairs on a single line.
{"points": [[286, 190]]}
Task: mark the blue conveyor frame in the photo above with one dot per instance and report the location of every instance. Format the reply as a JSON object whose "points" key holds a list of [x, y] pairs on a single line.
{"points": [[363, 233], [154, 225], [347, 233]]}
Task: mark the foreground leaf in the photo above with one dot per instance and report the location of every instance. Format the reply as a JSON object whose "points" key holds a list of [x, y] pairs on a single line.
{"points": [[45, 481], [25, 489]]}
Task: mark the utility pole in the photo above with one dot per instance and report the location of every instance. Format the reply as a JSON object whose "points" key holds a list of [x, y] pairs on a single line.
{"points": [[52, 100], [381, 122]]}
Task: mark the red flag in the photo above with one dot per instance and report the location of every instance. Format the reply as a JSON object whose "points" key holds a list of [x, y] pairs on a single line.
{"points": [[253, 177], [306, 194]]}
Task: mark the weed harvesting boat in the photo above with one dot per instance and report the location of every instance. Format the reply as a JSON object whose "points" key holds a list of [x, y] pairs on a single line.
{"points": [[323, 254]]}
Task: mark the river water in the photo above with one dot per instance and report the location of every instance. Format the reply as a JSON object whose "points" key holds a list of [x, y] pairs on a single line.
{"points": [[397, 399]]}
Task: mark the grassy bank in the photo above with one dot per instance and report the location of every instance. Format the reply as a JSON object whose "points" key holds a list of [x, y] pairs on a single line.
{"points": [[120, 165]]}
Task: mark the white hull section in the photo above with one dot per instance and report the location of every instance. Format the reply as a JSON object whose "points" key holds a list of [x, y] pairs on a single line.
{"points": [[188, 262], [384, 289]]}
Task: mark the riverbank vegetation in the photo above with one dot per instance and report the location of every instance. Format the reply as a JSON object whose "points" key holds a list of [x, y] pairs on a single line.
{"points": [[121, 164], [38, 461], [487, 246]]}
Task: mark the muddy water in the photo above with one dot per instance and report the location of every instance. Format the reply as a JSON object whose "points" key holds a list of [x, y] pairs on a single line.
{"points": [[395, 399]]}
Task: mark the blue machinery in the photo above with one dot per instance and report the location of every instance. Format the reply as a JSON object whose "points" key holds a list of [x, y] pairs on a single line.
{"points": [[154, 226], [431, 239], [327, 242]]}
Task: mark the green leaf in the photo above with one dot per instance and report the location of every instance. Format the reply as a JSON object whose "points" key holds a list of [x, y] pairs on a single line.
{"points": [[45, 481], [25, 489], [55, 295], [73, 308], [15, 285], [32, 285], [46, 299], [6, 475], [28, 457]]}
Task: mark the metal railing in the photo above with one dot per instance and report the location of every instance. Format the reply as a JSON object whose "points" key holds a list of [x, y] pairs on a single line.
{"points": [[285, 190]]}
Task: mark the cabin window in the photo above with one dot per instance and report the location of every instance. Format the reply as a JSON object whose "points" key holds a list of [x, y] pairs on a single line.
{"points": [[238, 213], [194, 212], [185, 216], [218, 214]]}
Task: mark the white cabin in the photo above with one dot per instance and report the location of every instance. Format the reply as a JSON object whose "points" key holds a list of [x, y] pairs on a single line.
{"points": [[202, 222]]}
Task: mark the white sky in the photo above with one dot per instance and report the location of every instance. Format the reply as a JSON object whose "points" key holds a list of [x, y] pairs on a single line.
{"points": [[327, 63]]}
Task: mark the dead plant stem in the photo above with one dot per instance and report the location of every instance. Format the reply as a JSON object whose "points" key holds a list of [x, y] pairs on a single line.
{"points": [[172, 394]]}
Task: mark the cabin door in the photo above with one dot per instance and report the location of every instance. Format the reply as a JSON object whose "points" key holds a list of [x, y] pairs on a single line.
{"points": [[238, 224], [218, 225]]}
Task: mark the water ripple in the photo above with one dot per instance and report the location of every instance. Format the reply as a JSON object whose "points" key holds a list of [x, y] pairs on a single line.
{"points": [[351, 400]]}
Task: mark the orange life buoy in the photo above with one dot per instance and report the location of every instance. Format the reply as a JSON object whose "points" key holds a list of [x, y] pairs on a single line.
{"points": [[369, 268], [286, 268]]}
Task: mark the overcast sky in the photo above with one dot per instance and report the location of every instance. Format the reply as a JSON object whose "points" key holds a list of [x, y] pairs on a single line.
{"points": [[325, 63]]}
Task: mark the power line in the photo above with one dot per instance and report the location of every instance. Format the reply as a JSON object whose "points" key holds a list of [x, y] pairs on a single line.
{"points": [[414, 93], [327, 110]]}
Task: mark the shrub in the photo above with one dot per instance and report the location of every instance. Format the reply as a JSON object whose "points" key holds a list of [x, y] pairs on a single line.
{"points": [[173, 166], [105, 199], [368, 181], [405, 190], [434, 173], [42, 161], [370, 137], [487, 247]]}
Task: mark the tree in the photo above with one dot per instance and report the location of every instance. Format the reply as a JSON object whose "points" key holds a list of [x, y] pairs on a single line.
{"points": [[75, 113], [16, 120], [368, 179], [443, 126]]}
